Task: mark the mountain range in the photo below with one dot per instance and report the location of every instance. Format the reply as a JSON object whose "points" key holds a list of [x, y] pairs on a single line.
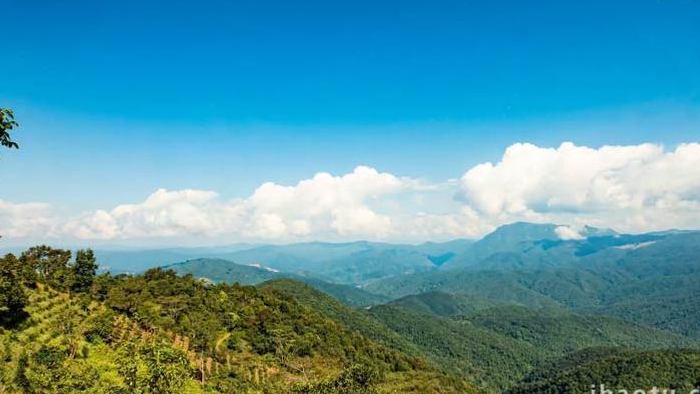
{"points": [[528, 308], [630, 276], [525, 288]]}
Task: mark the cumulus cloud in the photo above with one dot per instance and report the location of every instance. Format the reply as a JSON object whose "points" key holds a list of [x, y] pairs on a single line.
{"points": [[22, 220], [163, 213], [320, 206], [568, 233], [629, 188], [637, 187], [336, 204]]}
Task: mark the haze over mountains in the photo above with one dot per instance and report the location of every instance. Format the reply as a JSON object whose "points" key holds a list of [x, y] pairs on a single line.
{"points": [[235, 197], [533, 265], [352, 263], [501, 308], [528, 308]]}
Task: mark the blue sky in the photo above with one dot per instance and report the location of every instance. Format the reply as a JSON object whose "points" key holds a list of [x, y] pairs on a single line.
{"points": [[119, 99]]}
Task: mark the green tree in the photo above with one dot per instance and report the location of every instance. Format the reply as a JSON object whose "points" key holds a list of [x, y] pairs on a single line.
{"points": [[153, 368], [24, 272], [7, 123], [50, 265], [357, 379], [12, 295], [84, 270]]}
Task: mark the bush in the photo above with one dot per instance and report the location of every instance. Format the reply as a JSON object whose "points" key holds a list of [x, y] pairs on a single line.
{"points": [[357, 379]]}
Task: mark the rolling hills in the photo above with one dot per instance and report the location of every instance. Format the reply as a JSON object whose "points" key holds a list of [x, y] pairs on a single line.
{"points": [[501, 345], [442, 304], [495, 346], [521, 310], [618, 370], [632, 278], [160, 332], [225, 271], [347, 263]]}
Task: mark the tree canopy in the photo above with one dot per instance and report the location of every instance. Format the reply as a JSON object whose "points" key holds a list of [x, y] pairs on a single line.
{"points": [[7, 123]]}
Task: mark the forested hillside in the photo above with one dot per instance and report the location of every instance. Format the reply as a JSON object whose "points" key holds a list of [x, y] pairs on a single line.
{"points": [[527, 312], [499, 346], [70, 344], [619, 370], [647, 279], [494, 346], [443, 304], [160, 332]]}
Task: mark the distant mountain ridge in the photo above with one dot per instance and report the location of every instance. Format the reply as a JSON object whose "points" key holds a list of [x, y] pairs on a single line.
{"points": [[528, 308], [517, 246], [635, 277], [650, 283], [515, 240], [350, 263], [225, 271]]}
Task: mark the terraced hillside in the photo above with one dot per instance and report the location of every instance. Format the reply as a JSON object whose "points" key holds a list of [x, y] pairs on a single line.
{"points": [[72, 344], [68, 344], [286, 343]]}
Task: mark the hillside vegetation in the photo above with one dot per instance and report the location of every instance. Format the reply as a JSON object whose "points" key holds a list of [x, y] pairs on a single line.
{"points": [[225, 271], [619, 370], [70, 344], [520, 311], [648, 279], [494, 346], [442, 304], [160, 332], [499, 346]]}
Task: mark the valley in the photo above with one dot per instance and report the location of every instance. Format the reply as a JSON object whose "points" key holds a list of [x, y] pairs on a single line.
{"points": [[508, 313]]}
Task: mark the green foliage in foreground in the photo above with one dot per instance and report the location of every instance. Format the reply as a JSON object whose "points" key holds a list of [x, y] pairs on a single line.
{"points": [[12, 295], [69, 344], [163, 333], [242, 326], [259, 321], [357, 379], [7, 123]]}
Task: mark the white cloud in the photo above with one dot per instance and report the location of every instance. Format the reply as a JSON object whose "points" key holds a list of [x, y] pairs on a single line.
{"points": [[164, 213], [568, 233], [25, 219], [325, 203], [628, 188], [322, 206], [637, 187]]}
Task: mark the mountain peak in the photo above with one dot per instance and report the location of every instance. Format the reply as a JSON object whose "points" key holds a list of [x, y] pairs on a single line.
{"points": [[522, 231], [526, 231]]}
